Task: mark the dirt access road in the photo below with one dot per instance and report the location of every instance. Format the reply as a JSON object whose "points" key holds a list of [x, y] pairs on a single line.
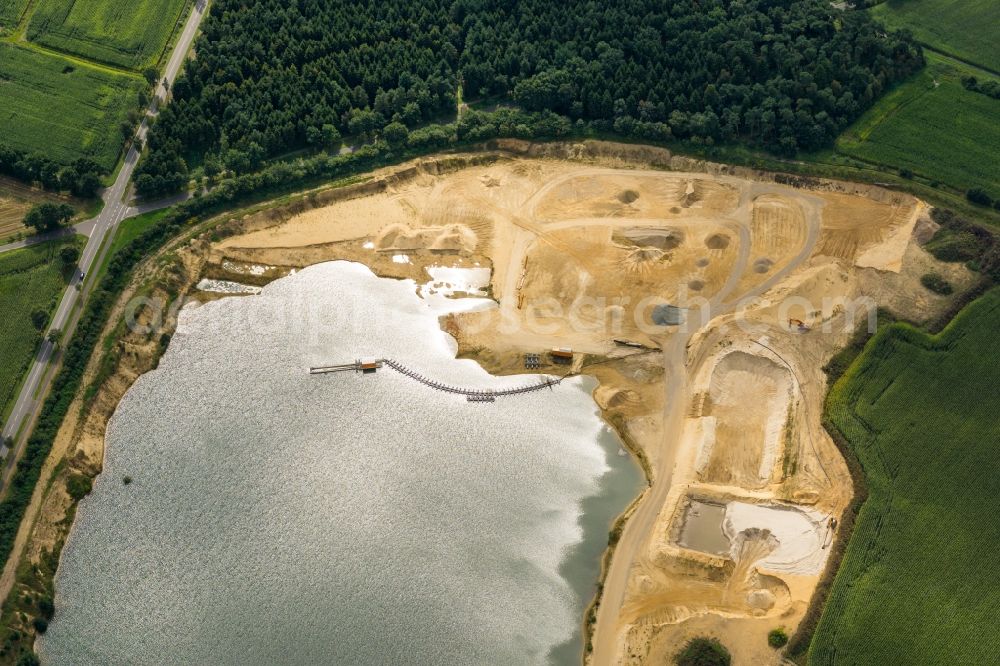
{"points": [[629, 552]]}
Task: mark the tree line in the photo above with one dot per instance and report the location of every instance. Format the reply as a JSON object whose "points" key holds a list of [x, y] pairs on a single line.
{"points": [[82, 177], [273, 77], [990, 87]]}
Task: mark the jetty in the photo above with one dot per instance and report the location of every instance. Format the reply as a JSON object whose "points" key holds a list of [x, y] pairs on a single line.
{"points": [[471, 395], [360, 365]]}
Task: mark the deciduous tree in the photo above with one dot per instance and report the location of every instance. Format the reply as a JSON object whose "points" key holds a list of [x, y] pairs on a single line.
{"points": [[48, 216]]}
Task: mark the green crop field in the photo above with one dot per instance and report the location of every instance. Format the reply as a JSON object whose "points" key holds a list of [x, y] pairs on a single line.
{"points": [[919, 583], [966, 29], [934, 127], [10, 12], [61, 109], [131, 34], [30, 279]]}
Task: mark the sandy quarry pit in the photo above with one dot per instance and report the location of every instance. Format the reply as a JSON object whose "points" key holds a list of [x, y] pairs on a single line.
{"points": [[724, 409]]}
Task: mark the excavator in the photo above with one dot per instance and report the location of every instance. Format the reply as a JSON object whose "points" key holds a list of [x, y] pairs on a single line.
{"points": [[798, 325]]}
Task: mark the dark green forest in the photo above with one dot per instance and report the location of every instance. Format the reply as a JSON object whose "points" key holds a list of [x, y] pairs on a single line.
{"points": [[271, 77]]}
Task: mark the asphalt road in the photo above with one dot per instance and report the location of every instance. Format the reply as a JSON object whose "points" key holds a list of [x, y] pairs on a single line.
{"points": [[86, 227], [83, 228], [115, 210]]}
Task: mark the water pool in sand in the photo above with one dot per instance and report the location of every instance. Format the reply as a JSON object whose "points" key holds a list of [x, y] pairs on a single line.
{"points": [[279, 517], [702, 528], [800, 535]]}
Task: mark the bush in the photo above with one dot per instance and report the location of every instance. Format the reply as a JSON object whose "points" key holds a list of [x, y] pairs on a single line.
{"points": [[961, 240], [953, 246], [41, 625], [703, 652], [936, 283], [69, 255], [28, 659], [979, 197], [777, 638], [39, 318], [78, 486], [395, 134], [615, 534], [46, 608]]}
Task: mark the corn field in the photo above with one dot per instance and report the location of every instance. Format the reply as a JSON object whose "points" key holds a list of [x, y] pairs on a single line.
{"points": [[920, 583], [132, 35]]}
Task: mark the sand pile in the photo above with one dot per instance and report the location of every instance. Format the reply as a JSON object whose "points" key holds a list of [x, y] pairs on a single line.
{"points": [[454, 237], [799, 534]]}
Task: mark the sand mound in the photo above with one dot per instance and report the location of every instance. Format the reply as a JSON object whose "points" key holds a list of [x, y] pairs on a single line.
{"points": [[760, 599], [452, 237], [924, 230], [717, 242], [642, 259], [799, 535], [888, 255], [664, 239], [607, 397]]}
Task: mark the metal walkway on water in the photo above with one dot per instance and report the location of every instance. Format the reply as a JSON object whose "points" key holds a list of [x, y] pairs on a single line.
{"points": [[472, 395]]}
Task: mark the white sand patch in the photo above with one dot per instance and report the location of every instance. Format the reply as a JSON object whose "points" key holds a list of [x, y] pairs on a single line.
{"points": [[400, 258], [226, 287], [244, 269], [469, 284], [468, 280], [369, 245], [800, 534]]}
